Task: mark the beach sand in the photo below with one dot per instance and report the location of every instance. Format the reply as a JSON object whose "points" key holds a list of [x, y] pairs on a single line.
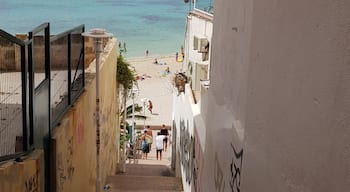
{"points": [[155, 84]]}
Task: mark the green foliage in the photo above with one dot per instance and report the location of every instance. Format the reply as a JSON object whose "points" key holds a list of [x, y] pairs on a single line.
{"points": [[127, 136], [125, 75]]}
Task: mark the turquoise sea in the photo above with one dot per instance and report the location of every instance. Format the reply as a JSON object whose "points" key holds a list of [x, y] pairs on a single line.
{"points": [[156, 25]]}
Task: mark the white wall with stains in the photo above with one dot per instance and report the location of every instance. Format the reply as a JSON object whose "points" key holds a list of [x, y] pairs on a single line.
{"points": [[277, 115]]}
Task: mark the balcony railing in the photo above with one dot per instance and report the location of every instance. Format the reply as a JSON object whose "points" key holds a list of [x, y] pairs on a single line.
{"points": [[205, 5]]}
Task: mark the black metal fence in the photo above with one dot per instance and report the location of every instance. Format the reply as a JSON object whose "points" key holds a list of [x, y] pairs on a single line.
{"points": [[67, 70], [41, 77], [39, 84], [13, 106]]}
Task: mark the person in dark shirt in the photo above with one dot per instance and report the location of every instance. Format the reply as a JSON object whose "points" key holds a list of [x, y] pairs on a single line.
{"points": [[164, 131]]}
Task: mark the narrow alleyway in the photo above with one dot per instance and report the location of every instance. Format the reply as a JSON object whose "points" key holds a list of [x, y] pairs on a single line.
{"points": [[152, 174], [147, 175]]}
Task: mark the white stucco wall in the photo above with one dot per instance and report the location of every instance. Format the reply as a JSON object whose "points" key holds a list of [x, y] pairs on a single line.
{"points": [[298, 122], [225, 105], [185, 110], [279, 94], [191, 130], [201, 26]]}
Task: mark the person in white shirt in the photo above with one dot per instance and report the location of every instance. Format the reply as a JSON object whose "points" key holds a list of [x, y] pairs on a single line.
{"points": [[159, 145]]}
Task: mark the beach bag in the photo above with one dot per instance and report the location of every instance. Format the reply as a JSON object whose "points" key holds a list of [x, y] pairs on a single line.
{"points": [[149, 139]]}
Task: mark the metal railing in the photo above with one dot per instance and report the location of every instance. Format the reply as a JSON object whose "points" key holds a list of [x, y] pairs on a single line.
{"points": [[67, 70], [13, 107], [39, 84], [41, 77]]}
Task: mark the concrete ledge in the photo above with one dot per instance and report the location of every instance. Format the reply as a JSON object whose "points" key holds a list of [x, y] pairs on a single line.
{"points": [[153, 127]]}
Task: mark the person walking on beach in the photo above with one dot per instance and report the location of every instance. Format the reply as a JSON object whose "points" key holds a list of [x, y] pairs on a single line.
{"points": [[150, 106], [147, 52], [164, 131], [155, 61], [182, 52], [149, 139], [176, 56], [144, 146], [148, 130], [167, 70], [159, 145]]}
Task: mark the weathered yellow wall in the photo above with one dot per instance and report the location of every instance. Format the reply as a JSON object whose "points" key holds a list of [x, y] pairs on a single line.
{"points": [[89, 50], [25, 176], [110, 115], [75, 137]]}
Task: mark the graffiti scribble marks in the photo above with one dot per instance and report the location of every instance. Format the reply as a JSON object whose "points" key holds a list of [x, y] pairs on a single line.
{"points": [[218, 175], [186, 143], [236, 167]]}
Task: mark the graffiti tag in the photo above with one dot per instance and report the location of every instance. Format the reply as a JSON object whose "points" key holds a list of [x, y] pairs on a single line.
{"points": [[236, 167]]}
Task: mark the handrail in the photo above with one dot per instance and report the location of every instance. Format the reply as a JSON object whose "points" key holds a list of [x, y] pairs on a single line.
{"points": [[39, 28], [14, 156], [65, 33], [72, 92], [11, 38]]}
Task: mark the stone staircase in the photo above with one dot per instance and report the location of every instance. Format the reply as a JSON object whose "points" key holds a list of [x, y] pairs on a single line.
{"points": [[145, 178]]}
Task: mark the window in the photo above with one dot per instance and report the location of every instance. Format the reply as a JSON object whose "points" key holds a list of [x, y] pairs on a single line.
{"points": [[204, 45]]}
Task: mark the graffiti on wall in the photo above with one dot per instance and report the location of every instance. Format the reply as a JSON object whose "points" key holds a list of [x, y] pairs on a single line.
{"points": [[79, 127], [32, 184], [197, 162], [186, 151], [102, 136], [235, 168], [195, 170], [218, 175], [106, 135], [65, 165]]}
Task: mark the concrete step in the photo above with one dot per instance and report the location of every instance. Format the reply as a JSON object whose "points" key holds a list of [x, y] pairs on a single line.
{"points": [[149, 170], [129, 183]]}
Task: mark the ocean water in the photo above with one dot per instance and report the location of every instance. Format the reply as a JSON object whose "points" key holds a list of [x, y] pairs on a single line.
{"points": [[156, 25]]}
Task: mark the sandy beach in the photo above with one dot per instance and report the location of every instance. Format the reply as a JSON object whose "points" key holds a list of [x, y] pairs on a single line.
{"points": [[155, 84]]}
